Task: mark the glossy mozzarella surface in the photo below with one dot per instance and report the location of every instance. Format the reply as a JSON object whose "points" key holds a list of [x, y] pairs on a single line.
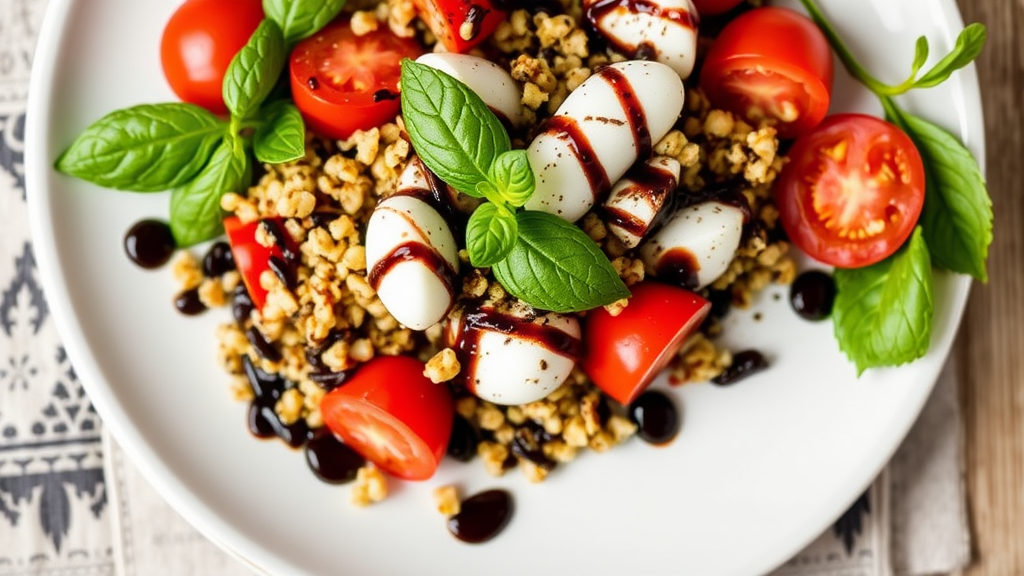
{"points": [[412, 260], [666, 29], [638, 197], [516, 366], [697, 244], [603, 126], [488, 80]]}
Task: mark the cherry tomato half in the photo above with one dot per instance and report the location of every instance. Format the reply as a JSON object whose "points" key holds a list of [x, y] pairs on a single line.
{"points": [[623, 354], [710, 7], [342, 82], [851, 191], [393, 415], [771, 63], [460, 24], [199, 42], [251, 257]]}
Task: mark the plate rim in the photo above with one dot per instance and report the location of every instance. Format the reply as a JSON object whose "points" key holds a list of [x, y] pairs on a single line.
{"points": [[169, 484]]}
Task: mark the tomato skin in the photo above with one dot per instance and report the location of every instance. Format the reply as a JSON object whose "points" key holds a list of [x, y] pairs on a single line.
{"points": [[771, 62], [712, 7], [198, 43], [445, 19], [342, 82], [251, 257], [393, 415], [624, 353], [851, 191]]}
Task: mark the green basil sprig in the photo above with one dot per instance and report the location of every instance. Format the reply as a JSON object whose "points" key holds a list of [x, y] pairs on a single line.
{"points": [[185, 148], [538, 257], [883, 313]]}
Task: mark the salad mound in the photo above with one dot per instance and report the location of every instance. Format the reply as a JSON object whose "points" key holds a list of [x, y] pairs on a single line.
{"points": [[323, 319]]}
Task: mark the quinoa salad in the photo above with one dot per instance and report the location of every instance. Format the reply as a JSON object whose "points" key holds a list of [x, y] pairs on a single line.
{"points": [[327, 318]]}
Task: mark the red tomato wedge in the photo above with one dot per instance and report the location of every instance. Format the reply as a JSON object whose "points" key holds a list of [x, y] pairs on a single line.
{"points": [[624, 353], [342, 82], [251, 257], [460, 24], [199, 42], [771, 63], [393, 415], [851, 191]]}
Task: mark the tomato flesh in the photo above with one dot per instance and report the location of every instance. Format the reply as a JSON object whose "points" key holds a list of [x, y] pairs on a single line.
{"points": [[460, 24], [771, 63], [392, 415], [342, 82], [851, 191], [251, 257], [624, 353], [198, 43]]}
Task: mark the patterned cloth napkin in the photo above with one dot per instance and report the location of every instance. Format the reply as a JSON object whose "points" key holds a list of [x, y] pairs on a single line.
{"points": [[70, 504]]}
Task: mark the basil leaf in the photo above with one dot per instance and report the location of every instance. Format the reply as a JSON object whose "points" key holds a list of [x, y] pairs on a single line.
{"points": [[195, 207], [968, 46], [883, 312], [253, 72], [145, 148], [957, 215], [301, 18], [920, 55], [282, 138], [452, 130], [556, 266], [490, 234], [512, 176]]}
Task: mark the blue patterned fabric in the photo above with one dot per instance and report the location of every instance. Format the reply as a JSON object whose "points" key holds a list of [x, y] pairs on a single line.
{"points": [[54, 508]]}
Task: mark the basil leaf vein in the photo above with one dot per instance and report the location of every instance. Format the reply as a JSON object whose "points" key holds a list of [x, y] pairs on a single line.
{"points": [[144, 148], [253, 72], [282, 138], [555, 266], [195, 207], [883, 313], [299, 19], [452, 130]]}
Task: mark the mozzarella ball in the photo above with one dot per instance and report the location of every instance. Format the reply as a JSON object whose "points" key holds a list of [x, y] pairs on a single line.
{"points": [[613, 118], [412, 260], [510, 360], [696, 245]]}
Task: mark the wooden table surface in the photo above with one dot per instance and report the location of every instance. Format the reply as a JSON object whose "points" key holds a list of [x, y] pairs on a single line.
{"points": [[991, 340]]}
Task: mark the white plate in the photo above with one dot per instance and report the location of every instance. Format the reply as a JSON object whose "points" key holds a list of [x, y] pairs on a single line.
{"points": [[759, 469]]}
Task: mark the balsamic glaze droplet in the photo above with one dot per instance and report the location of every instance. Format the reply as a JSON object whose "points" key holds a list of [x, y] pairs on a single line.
{"points": [[482, 516], [744, 364], [331, 460], [812, 295], [656, 417], [188, 302], [149, 243], [218, 260]]}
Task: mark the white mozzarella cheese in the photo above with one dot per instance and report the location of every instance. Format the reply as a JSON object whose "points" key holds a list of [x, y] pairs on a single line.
{"points": [[614, 117], [696, 245]]}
